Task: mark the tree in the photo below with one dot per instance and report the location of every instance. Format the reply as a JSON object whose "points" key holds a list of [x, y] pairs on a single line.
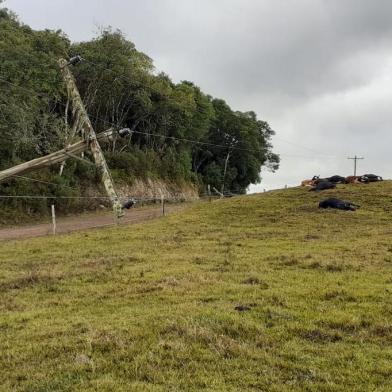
{"points": [[248, 148]]}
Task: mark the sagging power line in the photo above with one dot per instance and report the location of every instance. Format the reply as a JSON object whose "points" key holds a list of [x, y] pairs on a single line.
{"points": [[150, 134]]}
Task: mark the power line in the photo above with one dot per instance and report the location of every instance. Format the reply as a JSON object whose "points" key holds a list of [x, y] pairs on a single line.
{"points": [[125, 78], [173, 137], [41, 182], [35, 180], [155, 134], [304, 147], [276, 137], [30, 90], [44, 197], [150, 87], [50, 197]]}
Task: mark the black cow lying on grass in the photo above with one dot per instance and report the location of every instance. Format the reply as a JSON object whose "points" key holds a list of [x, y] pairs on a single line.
{"points": [[129, 204], [321, 186], [338, 204], [372, 177], [335, 179]]}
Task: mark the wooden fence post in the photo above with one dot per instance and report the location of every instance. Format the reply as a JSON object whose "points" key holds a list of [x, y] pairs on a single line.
{"points": [[53, 220], [163, 205]]}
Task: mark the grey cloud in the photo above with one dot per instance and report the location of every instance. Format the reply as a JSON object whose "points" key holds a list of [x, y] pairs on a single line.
{"points": [[298, 48]]}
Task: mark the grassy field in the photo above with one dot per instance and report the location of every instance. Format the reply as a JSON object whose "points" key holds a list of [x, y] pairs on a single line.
{"points": [[152, 307]]}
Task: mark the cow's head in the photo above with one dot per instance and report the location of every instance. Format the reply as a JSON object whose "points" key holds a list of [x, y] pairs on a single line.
{"points": [[364, 179]]}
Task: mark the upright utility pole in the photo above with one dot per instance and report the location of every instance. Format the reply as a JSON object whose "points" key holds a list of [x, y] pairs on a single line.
{"points": [[233, 142], [355, 159], [90, 136]]}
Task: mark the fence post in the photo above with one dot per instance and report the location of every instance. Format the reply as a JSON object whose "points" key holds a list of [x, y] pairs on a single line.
{"points": [[163, 205], [53, 220], [209, 192]]}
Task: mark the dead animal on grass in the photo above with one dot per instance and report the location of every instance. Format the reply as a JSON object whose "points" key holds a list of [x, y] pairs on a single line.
{"points": [[321, 186], [129, 204], [338, 204], [242, 308]]}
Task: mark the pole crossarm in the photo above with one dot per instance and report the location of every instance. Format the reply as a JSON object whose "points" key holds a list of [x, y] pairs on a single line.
{"points": [[53, 158]]}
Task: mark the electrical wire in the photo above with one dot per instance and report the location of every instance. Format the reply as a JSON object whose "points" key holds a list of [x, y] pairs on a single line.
{"points": [[35, 180], [50, 197], [276, 137], [166, 136], [40, 181], [31, 179], [306, 148]]}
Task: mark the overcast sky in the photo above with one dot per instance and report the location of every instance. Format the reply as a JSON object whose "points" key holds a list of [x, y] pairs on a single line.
{"points": [[319, 71]]}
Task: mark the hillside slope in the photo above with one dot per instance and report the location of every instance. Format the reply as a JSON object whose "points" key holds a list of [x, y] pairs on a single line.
{"points": [[152, 307]]}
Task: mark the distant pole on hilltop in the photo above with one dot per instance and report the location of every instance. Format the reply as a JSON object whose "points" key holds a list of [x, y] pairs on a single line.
{"points": [[355, 159]]}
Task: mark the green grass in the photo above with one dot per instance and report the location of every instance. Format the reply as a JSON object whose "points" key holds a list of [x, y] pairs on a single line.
{"points": [[151, 307]]}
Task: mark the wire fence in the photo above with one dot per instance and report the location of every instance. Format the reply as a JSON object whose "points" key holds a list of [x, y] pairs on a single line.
{"points": [[53, 223]]}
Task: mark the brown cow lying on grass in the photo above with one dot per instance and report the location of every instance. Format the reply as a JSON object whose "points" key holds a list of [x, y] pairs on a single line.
{"points": [[356, 180], [307, 183]]}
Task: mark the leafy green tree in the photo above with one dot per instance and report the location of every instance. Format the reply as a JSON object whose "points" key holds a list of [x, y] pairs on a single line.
{"points": [[29, 122], [247, 149]]}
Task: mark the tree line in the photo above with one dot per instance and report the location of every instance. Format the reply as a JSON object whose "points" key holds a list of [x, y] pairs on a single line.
{"points": [[120, 89]]}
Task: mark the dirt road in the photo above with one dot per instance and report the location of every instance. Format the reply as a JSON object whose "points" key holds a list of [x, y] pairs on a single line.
{"points": [[85, 221]]}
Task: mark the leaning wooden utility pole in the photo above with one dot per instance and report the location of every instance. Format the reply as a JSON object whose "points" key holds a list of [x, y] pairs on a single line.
{"points": [[90, 136]]}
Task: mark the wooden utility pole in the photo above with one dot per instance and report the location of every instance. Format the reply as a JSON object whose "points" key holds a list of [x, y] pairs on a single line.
{"points": [[355, 159], [90, 136], [233, 142]]}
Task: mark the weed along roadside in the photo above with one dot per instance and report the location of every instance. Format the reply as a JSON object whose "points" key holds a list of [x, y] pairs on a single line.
{"points": [[261, 292]]}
